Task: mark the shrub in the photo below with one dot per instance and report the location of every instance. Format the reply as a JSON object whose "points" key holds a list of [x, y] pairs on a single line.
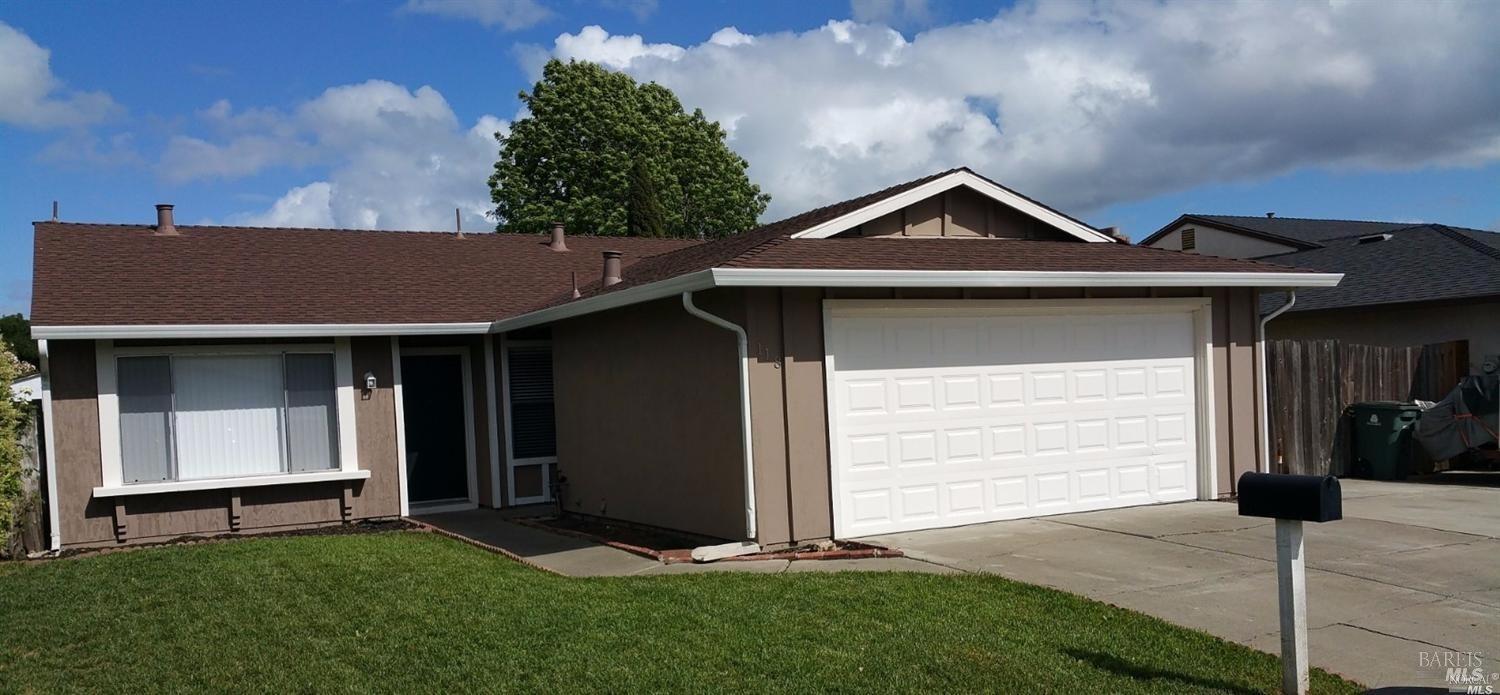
{"points": [[14, 419]]}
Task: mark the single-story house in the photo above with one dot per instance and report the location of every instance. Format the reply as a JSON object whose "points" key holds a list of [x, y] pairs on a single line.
{"points": [[1404, 284], [942, 352]]}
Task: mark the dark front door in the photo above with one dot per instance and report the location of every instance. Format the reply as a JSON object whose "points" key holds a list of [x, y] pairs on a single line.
{"points": [[437, 459]]}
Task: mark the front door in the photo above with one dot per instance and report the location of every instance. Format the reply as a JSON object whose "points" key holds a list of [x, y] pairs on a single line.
{"points": [[437, 456]]}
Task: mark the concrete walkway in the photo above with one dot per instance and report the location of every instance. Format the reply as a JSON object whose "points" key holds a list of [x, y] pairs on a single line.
{"points": [[577, 557], [1411, 568]]}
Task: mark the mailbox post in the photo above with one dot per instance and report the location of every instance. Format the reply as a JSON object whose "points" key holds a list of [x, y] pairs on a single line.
{"points": [[1291, 500]]}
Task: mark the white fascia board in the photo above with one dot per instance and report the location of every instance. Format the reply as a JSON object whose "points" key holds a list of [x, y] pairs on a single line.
{"points": [[851, 220], [229, 483], [261, 330], [750, 277], [691, 282]]}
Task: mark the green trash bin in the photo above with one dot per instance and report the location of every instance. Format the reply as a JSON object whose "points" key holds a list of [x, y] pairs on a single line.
{"points": [[1382, 438]]}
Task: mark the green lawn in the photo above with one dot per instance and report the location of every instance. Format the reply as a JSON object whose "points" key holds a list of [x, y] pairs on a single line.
{"points": [[406, 611]]}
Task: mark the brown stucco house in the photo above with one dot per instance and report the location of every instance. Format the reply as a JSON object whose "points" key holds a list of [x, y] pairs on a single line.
{"points": [[941, 352]]}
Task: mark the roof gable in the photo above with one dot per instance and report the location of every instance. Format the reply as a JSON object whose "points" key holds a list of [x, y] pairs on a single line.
{"points": [[1297, 232], [925, 189]]}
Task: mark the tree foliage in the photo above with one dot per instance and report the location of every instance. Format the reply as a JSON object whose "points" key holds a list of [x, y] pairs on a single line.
{"points": [[15, 330], [644, 209], [572, 157], [14, 417]]}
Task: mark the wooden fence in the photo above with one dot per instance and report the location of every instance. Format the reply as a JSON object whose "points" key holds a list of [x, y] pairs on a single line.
{"points": [[1311, 382]]}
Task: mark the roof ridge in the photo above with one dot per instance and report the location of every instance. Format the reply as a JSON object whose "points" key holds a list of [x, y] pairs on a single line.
{"points": [[1301, 219], [356, 230], [1463, 239]]}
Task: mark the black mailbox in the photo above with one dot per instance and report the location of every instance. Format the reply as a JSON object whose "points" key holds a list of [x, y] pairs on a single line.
{"points": [[1302, 497]]}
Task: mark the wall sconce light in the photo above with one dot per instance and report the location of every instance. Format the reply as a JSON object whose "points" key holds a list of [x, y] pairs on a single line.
{"points": [[369, 381]]}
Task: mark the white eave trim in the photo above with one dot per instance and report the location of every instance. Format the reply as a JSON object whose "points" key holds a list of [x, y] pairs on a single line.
{"points": [[746, 277], [851, 220], [229, 483], [257, 330], [771, 277], [691, 282]]}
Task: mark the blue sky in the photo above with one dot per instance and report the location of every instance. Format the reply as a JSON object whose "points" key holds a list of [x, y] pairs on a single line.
{"points": [[379, 114]]}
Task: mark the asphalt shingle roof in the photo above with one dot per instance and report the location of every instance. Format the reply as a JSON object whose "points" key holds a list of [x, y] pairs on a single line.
{"points": [[1417, 263], [93, 274], [98, 274], [1299, 232], [772, 246]]}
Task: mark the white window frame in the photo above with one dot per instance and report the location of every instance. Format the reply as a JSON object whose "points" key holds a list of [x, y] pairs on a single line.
{"points": [[548, 463], [112, 472], [1199, 308], [470, 445]]}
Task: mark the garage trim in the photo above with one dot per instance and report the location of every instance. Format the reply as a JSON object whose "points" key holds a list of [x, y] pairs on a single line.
{"points": [[1201, 309]]}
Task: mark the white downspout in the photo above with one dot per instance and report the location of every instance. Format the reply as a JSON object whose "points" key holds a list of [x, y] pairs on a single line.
{"points": [[744, 346], [1265, 400], [49, 441]]}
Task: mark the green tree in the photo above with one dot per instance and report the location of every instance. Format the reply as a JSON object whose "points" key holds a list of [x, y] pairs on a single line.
{"points": [[14, 417], [644, 208], [571, 159], [15, 330]]}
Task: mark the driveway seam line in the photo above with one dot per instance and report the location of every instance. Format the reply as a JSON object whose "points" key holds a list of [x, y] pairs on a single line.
{"points": [[1166, 539], [1396, 636]]}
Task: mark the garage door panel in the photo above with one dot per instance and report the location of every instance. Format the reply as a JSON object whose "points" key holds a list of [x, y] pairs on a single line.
{"points": [[1009, 416]]}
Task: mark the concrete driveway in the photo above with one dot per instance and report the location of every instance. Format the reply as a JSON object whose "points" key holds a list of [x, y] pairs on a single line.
{"points": [[1413, 567]]}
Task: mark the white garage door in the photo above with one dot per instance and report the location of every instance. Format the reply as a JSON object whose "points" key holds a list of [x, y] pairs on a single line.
{"points": [[950, 416]]}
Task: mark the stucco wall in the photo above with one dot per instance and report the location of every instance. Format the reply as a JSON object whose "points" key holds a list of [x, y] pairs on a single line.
{"points": [[788, 401], [1399, 326], [648, 424], [86, 521], [1216, 242]]}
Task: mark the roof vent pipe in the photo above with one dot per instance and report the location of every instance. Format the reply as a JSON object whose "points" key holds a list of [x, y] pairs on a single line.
{"points": [[1270, 215], [611, 268], [164, 224], [54, 211], [559, 241]]}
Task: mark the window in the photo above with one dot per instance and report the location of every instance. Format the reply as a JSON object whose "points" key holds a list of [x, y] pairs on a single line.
{"points": [[193, 416], [1189, 239], [533, 429]]}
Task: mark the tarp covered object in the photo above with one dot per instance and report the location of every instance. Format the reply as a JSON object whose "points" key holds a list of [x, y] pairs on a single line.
{"points": [[1463, 421]]}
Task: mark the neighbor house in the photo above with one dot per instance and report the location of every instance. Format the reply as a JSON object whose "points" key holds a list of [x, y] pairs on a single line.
{"points": [[1404, 284], [938, 353]]}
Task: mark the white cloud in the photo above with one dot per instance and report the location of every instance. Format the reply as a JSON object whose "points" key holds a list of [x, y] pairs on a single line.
{"points": [[595, 44], [391, 158], [1082, 104], [31, 96], [509, 15], [303, 206]]}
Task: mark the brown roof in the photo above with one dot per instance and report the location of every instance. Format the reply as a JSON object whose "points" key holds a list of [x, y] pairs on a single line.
{"points": [[98, 274], [934, 253], [772, 246], [92, 274]]}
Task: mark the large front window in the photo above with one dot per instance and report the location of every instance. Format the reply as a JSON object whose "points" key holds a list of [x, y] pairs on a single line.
{"points": [[196, 416]]}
